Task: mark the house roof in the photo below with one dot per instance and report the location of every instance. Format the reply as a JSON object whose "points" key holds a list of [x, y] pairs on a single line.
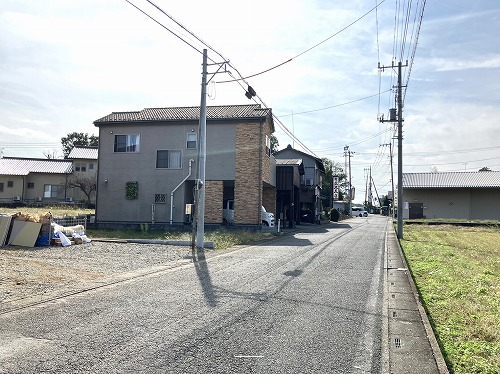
{"points": [[224, 112], [319, 162], [24, 166], [481, 179], [87, 153]]}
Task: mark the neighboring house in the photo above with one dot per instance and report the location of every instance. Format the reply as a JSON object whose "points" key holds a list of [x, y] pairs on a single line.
{"points": [[460, 195], [148, 163], [32, 180], [288, 180], [311, 182], [85, 162]]}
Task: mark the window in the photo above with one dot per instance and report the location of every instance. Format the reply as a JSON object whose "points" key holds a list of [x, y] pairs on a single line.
{"points": [[268, 146], [81, 167], [31, 185], [10, 184], [1, 187], [160, 198], [168, 159], [127, 143], [91, 166], [52, 190], [191, 140]]}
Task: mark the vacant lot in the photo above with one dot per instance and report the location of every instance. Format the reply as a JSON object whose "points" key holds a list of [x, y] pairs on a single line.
{"points": [[456, 270]]}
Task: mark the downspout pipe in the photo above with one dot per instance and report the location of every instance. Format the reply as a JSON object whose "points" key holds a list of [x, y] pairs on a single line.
{"points": [[175, 189]]}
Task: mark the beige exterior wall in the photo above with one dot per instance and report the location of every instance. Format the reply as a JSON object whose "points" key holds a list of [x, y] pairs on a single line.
{"points": [[32, 187], [459, 203], [214, 191]]}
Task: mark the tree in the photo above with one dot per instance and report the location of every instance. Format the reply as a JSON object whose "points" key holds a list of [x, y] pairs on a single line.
{"points": [[80, 139], [274, 144], [52, 155], [485, 168], [86, 184]]}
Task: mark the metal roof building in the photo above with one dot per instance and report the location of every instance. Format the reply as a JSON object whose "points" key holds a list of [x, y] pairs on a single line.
{"points": [[25, 166], [84, 153], [482, 179], [459, 195]]}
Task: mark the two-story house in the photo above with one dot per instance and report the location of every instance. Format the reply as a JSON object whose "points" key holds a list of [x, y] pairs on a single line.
{"points": [[311, 181], [148, 162], [40, 180]]}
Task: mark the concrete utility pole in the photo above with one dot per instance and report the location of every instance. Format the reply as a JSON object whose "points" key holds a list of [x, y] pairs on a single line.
{"points": [[392, 176], [400, 144], [199, 222], [202, 156], [347, 154]]}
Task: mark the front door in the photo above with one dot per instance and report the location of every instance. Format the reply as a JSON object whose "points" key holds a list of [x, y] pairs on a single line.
{"points": [[416, 210]]}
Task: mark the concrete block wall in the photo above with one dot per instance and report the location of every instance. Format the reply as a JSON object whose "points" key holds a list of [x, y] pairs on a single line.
{"points": [[214, 193]]}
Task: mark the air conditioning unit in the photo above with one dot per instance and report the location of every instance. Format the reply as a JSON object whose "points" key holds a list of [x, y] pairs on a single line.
{"points": [[309, 182], [17, 198], [38, 199], [69, 199]]}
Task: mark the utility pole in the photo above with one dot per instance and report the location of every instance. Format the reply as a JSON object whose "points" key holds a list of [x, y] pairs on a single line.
{"points": [[392, 176], [202, 157], [347, 154], [400, 142]]}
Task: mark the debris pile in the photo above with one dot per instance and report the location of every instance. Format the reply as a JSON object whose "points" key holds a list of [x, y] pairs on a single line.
{"points": [[30, 230]]}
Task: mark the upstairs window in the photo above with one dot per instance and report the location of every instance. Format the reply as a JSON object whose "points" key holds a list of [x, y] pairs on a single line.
{"points": [[191, 140], [268, 146], [91, 166], [10, 184], [167, 159], [127, 143], [31, 185], [80, 167]]}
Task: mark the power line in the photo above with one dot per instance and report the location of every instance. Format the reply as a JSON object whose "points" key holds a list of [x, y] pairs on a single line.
{"points": [[311, 48], [333, 106]]}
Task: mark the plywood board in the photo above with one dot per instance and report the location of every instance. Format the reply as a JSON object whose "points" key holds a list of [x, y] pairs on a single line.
{"points": [[4, 228], [24, 233]]}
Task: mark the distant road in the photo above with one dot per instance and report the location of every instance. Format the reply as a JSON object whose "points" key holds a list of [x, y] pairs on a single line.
{"points": [[304, 303]]}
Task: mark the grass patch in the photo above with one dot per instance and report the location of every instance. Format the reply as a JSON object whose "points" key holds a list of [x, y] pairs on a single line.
{"points": [[456, 271], [222, 238]]}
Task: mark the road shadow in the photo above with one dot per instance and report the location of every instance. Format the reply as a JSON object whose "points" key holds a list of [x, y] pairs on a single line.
{"points": [[201, 267]]}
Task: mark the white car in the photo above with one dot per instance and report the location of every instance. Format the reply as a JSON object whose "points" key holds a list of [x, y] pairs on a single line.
{"points": [[358, 212]]}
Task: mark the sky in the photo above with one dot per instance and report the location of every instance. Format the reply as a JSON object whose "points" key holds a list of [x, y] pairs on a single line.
{"points": [[65, 64]]}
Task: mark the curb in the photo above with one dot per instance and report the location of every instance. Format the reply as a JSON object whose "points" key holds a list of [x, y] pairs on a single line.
{"points": [[438, 355]]}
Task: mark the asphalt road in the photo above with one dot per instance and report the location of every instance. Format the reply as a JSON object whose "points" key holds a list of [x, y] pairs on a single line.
{"points": [[304, 303]]}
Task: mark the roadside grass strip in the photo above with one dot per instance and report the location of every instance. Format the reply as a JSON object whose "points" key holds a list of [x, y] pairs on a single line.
{"points": [[457, 273]]}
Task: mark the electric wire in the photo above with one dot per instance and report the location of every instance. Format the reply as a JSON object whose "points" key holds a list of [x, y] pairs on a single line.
{"points": [[311, 48]]}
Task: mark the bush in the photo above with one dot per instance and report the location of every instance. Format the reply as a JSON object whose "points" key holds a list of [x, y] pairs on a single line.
{"points": [[334, 215]]}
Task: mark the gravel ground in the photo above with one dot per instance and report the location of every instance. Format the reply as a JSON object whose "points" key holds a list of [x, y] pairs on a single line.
{"points": [[30, 275]]}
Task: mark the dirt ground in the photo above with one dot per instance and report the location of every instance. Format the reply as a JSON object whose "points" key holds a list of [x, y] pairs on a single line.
{"points": [[31, 275]]}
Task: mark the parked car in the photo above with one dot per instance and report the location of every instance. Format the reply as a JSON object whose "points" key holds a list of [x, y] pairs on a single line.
{"points": [[228, 215], [358, 212]]}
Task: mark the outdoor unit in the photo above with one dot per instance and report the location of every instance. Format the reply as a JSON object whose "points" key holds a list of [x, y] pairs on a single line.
{"points": [[38, 199], [309, 182], [17, 198], [69, 199]]}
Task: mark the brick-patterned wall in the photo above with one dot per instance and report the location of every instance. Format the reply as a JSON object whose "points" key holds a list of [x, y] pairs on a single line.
{"points": [[269, 200], [266, 164], [247, 185], [213, 201]]}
